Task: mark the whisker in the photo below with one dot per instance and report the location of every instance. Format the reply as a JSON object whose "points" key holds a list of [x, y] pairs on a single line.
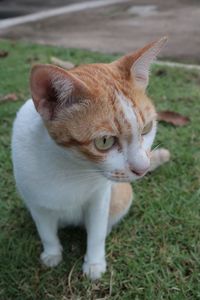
{"points": [[68, 177], [82, 174], [156, 147], [87, 171], [86, 180]]}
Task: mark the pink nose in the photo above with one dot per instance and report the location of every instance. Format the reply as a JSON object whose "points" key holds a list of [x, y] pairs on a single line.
{"points": [[139, 172]]}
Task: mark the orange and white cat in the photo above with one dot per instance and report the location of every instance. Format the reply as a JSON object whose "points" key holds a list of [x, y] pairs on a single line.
{"points": [[85, 134]]}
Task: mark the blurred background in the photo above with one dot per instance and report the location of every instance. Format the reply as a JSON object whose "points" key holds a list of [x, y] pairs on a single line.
{"points": [[110, 26]]}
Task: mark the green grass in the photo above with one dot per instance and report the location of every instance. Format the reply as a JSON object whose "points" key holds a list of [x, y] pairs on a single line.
{"points": [[154, 253]]}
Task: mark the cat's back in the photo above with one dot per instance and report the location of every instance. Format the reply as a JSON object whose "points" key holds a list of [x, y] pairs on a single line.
{"points": [[31, 152], [27, 123], [28, 135]]}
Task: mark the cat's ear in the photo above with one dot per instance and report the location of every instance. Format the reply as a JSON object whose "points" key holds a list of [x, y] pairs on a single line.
{"points": [[139, 62], [53, 87]]}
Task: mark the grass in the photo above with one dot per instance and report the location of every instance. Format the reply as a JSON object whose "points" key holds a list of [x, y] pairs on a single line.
{"points": [[154, 253]]}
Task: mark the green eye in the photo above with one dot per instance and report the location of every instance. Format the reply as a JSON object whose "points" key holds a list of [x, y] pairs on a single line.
{"points": [[147, 128], [104, 143]]}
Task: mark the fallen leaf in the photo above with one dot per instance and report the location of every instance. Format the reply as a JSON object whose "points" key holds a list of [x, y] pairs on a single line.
{"points": [[62, 63], [173, 118], [3, 53], [9, 97]]}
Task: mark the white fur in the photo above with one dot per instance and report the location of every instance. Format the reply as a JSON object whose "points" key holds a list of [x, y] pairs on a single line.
{"points": [[134, 155], [59, 188]]}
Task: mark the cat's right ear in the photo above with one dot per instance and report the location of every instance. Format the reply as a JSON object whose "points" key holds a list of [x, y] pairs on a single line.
{"points": [[138, 63], [53, 87]]}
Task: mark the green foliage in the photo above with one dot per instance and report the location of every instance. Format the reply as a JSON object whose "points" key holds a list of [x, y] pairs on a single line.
{"points": [[154, 253]]}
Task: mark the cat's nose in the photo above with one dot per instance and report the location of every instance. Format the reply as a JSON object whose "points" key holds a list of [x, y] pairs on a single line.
{"points": [[139, 162], [139, 172]]}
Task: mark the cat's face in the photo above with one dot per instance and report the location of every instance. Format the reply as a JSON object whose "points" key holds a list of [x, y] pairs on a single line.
{"points": [[101, 112]]}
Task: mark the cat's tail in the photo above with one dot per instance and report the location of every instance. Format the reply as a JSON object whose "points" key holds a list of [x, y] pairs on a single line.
{"points": [[121, 199]]}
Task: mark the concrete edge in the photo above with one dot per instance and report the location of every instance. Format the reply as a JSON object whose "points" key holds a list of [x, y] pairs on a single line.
{"points": [[177, 65], [10, 22]]}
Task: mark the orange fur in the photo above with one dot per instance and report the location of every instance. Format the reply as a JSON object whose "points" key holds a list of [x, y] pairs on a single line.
{"points": [[102, 112], [121, 198], [96, 109]]}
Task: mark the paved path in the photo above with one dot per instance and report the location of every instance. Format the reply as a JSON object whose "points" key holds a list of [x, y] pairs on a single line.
{"points": [[121, 27]]}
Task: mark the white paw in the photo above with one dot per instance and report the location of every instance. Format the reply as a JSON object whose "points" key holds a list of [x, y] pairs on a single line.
{"points": [[94, 270], [50, 260], [164, 155]]}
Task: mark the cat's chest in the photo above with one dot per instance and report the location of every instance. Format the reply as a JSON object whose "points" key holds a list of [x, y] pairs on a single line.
{"points": [[69, 198], [66, 191], [66, 185]]}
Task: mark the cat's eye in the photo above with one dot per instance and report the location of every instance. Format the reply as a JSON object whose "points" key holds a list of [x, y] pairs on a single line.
{"points": [[104, 143], [147, 128]]}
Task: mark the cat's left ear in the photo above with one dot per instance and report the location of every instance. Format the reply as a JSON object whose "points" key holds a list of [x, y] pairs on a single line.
{"points": [[138, 63]]}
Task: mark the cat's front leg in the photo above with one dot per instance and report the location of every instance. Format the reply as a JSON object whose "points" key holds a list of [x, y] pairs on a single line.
{"points": [[47, 225], [96, 220]]}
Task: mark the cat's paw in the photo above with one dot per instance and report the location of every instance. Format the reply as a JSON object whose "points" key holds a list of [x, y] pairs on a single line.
{"points": [[94, 270], [51, 260], [164, 155], [158, 158]]}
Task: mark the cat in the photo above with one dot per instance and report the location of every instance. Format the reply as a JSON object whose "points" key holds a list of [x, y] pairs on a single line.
{"points": [[79, 142]]}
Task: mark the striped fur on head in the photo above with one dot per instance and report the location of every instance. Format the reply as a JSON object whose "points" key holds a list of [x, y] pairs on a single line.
{"points": [[96, 100]]}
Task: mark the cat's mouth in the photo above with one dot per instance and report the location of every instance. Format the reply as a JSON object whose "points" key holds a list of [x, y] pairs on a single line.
{"points": [[121, 177]]}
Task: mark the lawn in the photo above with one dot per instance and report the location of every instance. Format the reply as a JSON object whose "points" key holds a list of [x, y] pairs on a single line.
{"points": [[154, 253]]}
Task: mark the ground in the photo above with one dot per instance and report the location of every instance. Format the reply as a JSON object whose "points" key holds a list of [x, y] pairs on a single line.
{"points": [[116, 28], [155, 252]]}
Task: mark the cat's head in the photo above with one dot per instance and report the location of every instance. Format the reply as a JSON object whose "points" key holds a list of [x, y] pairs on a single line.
{"points": [[101, 111]]}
